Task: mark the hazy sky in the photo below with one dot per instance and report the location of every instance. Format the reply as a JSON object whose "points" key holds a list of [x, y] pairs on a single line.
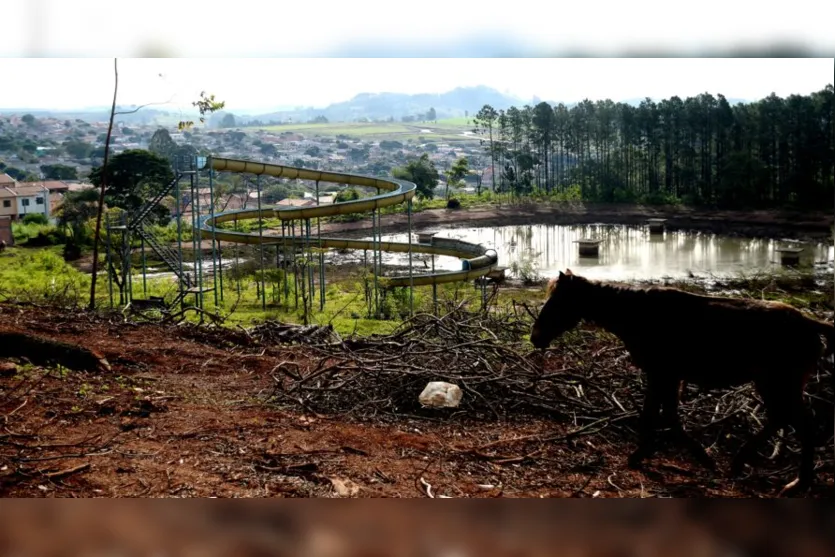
{"points": [[460, 28], [262, 84]]}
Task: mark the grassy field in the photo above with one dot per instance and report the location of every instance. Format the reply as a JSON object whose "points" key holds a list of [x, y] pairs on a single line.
{"points": [[462, 122], [448, 130], [41, 276], [340, 128]]}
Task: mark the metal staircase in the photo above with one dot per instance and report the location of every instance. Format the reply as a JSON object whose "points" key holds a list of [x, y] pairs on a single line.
{"points": [[168, 256], [125, 226], [151, 204]]}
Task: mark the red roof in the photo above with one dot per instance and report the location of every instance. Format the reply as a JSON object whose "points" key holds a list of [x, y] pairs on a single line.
{"points": [[51, 185]]}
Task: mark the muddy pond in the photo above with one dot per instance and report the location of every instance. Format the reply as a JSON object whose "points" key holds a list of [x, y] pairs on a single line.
{"points": [[625, 252]]}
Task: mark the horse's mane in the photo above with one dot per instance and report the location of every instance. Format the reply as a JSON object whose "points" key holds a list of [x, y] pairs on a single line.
{"points": [[623, 289], [626, 290], [656, 294], [607, 285], [652, 290]]}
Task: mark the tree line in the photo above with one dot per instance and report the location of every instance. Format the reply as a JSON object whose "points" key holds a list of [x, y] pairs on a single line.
{"points": [[701, 150]]}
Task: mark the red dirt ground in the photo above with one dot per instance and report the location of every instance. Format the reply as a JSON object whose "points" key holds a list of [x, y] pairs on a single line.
{"points": [[182, 415]]}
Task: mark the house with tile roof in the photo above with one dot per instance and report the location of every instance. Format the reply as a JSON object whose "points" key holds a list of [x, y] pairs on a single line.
{"points": [[19, 201]]}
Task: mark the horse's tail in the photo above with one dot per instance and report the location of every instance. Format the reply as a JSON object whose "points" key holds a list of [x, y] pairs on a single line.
{"points": [[828, 331]]}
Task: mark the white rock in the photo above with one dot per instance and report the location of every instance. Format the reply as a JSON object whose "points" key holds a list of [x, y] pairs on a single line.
{"points": [[440, 395], [344, 487]]}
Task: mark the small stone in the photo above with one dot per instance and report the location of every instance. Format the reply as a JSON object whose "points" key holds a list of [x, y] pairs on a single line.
{"points": [[440, 394], [345, 487]]}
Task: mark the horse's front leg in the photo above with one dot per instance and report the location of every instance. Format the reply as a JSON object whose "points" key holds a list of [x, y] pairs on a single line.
{"points": [[670, 398], [646, 423]]}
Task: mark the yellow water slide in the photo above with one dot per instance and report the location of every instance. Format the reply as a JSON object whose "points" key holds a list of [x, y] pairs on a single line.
{"points": [[477, 261]]}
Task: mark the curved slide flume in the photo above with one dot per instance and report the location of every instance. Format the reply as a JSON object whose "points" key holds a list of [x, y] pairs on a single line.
{"points": [[477, 260]]}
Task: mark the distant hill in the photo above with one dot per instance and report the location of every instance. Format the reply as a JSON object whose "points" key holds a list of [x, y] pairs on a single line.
{"points": [[373, 106], [458, 102], [381, 106]]}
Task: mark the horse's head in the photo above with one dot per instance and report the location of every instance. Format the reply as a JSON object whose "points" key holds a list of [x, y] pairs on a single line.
{"points": [[561, 311]]}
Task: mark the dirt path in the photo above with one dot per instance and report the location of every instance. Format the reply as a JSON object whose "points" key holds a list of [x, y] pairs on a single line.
{"points": [[182, 414]]}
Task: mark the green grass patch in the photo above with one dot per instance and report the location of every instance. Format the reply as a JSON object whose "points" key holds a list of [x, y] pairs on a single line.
{"points": [[25, 231], [341, 128], [463, 122], [446, 137], [444, 130], [41, 276]]}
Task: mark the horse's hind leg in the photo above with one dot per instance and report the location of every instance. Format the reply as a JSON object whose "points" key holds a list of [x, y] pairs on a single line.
{"points": [[802, 422], [778, 415], [749, 447], [784, 406], [647, 422]]}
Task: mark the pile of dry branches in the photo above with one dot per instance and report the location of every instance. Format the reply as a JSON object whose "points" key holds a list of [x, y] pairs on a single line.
{"points": [[275, 332], [267, 334], [580, 378]]}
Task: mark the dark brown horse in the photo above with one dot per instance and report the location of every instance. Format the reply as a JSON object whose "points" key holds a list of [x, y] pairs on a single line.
{"points": [[676, 337]]}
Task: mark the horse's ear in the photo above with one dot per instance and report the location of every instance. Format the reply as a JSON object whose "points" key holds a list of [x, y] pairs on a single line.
{"points": [[569, 273], [552, 284], [562, 275]]}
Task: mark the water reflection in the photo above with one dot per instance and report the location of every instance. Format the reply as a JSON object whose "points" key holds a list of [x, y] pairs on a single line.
{"points": [[626, 252]]}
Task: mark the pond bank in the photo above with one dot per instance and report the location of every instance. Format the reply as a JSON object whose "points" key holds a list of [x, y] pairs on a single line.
{"points": [[762, 223]]}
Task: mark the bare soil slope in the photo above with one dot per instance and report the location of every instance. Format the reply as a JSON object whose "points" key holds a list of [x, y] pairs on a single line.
{"points": [[187, 411]]}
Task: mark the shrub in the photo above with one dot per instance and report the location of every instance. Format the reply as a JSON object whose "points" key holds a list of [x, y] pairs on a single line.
{"points": [[349, 194], [50, 236], [526, 268], [35, 218], [36, 234]]}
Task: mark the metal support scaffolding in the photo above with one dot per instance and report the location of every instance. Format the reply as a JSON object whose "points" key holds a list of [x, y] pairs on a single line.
{"points": [[321, 256], [214, 237], [182, 287], [297, 252], [411, 276], [144, 270], [237, 261], [376, 264], [434, 289], [220, 268], [261, 241], [197, 260]]}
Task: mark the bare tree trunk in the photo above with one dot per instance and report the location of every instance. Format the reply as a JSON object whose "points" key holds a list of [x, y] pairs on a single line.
{"points": [[100, 210]]}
